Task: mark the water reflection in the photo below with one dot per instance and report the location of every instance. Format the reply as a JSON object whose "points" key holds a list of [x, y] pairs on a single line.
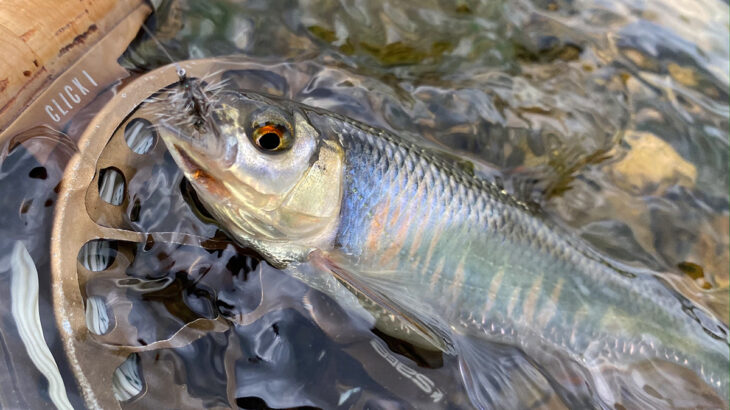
{"points": [[620, 108]]}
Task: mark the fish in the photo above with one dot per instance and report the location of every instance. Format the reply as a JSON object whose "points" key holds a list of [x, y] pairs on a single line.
{"points": [[464, 266]]}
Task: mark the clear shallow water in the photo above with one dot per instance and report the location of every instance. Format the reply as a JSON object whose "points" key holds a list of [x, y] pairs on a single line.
{"points": [[626, 104]]}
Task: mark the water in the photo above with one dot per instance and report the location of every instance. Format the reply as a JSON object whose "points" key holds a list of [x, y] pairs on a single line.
{"points": [[620, 109]]}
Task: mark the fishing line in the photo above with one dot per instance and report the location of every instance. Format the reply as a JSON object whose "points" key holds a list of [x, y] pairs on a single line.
{"points": [[180, 71]]}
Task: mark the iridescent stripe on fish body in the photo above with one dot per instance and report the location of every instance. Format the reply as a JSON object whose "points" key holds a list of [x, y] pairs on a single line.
{"points": [[495, 267]]}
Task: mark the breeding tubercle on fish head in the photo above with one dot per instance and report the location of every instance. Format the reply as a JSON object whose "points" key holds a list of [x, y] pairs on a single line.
{"points": [[261, 169]]}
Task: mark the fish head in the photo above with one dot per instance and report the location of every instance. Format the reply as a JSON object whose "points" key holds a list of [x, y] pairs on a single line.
{"points": [[263, 171]]}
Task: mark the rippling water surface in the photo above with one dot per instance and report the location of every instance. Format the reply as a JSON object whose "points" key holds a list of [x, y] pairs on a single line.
{"points": [[618, 108]]}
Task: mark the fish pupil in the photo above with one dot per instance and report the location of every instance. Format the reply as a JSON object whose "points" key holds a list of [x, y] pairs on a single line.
{"points": [[269, 141]]}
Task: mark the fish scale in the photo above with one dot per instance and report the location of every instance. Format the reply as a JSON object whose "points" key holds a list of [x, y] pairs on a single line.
{"points": [[459, 219]]}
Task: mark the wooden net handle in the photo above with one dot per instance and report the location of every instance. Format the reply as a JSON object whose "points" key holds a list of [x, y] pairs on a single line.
{"points": [[39, 39]]}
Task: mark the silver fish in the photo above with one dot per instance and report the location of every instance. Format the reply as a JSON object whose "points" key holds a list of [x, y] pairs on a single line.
{"points": [[456, 260]]}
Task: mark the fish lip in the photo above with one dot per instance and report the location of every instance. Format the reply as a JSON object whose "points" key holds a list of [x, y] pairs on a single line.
{"points": [[223, 149], [178, 144], [176, 133], [190, 164]]}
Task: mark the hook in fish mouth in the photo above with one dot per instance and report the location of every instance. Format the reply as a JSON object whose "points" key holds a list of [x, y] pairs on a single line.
{"points": [[191, 103]]}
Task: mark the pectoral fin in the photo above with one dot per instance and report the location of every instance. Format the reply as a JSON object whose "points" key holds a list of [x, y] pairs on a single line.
{"points": [[390, 293], [494, 375]]}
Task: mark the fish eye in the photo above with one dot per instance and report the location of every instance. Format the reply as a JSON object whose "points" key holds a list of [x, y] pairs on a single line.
{"points": [[270, 137], [270, 130]]}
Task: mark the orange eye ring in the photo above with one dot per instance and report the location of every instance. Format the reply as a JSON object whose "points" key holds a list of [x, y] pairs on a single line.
{"points": [[270, 137]]}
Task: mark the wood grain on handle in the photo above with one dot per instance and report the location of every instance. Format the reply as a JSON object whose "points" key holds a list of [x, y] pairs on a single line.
{"points": [[39, 39]]}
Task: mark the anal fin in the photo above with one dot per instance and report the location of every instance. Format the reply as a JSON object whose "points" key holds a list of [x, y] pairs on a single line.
{"points": [[498, 376]]}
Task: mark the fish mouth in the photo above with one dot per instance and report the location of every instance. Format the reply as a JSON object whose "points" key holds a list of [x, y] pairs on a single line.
{"points": [[198, 175], [188, 163], [253, 225], [183, 139]]}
